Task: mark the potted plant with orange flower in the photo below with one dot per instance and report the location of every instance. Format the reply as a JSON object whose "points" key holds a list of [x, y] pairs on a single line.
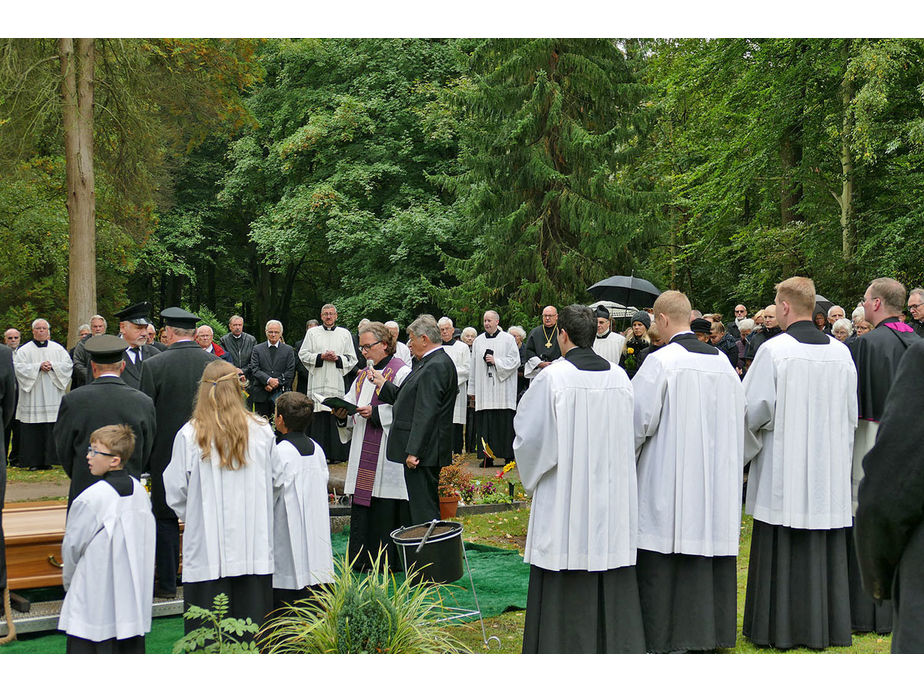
{"points": [[453, 478]]}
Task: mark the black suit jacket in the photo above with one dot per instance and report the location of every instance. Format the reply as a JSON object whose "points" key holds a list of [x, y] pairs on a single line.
{"points": [[271, 362], [132, 373], [171, 379], [8, 388], [102, 402], [422, 411]]}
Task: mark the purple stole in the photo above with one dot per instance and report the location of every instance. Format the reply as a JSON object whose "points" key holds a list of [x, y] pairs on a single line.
{"points": [[372, 438]]}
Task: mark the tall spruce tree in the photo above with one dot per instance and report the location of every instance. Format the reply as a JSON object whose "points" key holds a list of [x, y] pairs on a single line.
{"points": [[547, 191]]}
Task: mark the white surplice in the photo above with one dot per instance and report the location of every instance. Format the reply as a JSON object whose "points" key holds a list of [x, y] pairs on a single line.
{"points": [[40, 392], [575, 452], [389, 476], [801, 416], [494, 386], [302, 551], [461, 356], [326, 380], [610, 347], [689, 437], [403, 352], [228, 512], [108, 557]]}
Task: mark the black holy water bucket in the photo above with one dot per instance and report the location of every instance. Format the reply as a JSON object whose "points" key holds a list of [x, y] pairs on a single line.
{"points": [[438, 544]]}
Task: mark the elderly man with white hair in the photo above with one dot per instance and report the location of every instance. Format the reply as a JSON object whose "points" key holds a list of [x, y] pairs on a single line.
{"points": [[493, 383], [329, 354], [43, 371], [462, 358], [272, 370], [835, 313], [401, 349], [81, 373]]}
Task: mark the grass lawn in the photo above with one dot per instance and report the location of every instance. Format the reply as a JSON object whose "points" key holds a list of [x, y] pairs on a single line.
{"points": [[19, 475], [508, 530]]}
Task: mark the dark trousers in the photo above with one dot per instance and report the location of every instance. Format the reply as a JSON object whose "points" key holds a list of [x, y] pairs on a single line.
{"points": [[458, 438], [77, 645], [167, 552], [37, 445], [2, 543], [422, 493], [12, 436], [266, 409]]}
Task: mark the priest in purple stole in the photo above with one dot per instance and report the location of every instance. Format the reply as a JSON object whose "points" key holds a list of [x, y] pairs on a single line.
{"points": [[380, 500]]}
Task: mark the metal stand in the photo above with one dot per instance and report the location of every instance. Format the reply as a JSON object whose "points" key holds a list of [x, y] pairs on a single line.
{"points": [[457, 612]]}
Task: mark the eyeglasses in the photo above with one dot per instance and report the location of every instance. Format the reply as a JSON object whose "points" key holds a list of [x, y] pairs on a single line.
{"points": [[367, 347], [93, 452], [915, 306]]}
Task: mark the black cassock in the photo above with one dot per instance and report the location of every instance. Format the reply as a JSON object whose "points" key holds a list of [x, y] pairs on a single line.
{"points": [[104, 401], [543, 344], [876, 355], [889, 526], [7, 409], [171, 379]]}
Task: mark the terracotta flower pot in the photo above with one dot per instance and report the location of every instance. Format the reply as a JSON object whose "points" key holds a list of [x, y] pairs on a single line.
{"points": [[448, 506]]}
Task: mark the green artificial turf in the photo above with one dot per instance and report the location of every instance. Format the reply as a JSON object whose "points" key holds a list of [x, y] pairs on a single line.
{"points": [[501, 579]]}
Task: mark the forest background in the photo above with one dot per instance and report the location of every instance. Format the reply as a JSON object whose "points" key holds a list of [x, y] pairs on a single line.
{"points": [[399, 176]]}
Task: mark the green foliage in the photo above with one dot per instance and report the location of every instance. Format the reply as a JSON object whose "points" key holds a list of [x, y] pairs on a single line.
{"points": [[335, 185], [379, 612], [218, 634], [546, 192], [34, 248], [366, 622]]}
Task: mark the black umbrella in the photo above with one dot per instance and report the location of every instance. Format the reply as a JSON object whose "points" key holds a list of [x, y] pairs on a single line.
{"points": [[823, 303], [630, 291]]}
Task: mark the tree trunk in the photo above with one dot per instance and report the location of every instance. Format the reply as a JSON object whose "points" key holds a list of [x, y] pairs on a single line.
{"points": [[848, 224], [790, 189], [77, 73]]}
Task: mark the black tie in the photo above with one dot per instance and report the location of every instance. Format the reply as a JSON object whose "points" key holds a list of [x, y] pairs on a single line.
{"points": [[137, 352]]}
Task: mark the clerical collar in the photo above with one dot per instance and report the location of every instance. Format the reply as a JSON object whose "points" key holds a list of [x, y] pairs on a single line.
{"points": [[586, 359], [604, 335], [300, 442], [120, 481], [805, 332], [450, 342], [329, 329], [492, 336], [681, 334], [40, 344]]}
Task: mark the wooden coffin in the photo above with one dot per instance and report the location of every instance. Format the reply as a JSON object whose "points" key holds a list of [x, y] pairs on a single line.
{"points": [[33, 533]]}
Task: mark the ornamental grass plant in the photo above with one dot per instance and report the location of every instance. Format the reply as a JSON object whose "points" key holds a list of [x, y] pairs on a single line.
{"points": [[374, 613]]}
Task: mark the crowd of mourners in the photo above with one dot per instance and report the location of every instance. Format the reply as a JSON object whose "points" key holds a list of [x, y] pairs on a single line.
{"points": [[637, 447]]}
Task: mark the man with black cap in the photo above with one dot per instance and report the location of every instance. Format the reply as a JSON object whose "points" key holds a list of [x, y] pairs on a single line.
{"points": [[607, 343], [133, 326], [171, 380], [105, 400]]}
